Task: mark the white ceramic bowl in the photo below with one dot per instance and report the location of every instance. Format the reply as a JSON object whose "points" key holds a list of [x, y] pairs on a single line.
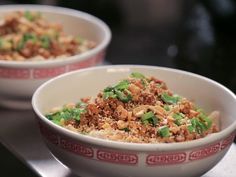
{"points": [[93, 157], [19, 80]]}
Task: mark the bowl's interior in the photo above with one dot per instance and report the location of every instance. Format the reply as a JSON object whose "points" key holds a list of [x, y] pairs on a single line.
{"points": [[71, 87], [74, 23]]}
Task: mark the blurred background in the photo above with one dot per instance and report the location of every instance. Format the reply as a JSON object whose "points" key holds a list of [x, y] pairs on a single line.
{"points": [[193, 35]]}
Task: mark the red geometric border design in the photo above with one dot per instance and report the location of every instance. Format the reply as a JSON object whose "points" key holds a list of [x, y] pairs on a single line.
{"points": [[204, 152], [117, 157], [43, 73], [227, 141], [76, 148], [132, 158], [48, 72], [166, 159], [48, 134], [65, 143], [97, 59], [13, 73]]}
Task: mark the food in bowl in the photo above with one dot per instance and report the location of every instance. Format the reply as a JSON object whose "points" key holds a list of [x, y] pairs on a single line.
{"points": [[103, 157], [137, 109], [19, 79], [28, 35]]}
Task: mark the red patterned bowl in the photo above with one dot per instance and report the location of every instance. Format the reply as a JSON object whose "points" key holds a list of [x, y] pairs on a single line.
{"points": [[89, 156], [19, 80]]}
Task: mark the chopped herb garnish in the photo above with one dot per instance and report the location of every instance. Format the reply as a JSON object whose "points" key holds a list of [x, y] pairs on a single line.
{"points": [[29, 36], [170, 99], [178, 117], [28, 15], [81, 104], [149, 117], [190, 128], [31, 16], [21, 44], [66, 113], [55, 117], [201, 124], [137, 75], [123, 97], [207, 121], [109, 94], [119, 91], [26, 37], [55, 121], [45, 41], [164, 131], [167, 107], [122, 85]]}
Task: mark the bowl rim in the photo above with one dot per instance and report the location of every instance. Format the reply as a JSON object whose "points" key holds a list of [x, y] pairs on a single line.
{"points": [[136, 146], [65, 11]]}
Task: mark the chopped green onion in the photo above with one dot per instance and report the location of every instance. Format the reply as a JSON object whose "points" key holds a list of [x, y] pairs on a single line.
{"points": [[49, 116], [121, 96], [149, 117], [169, 99], [81, 104], [166, 107], [137, 75], [200, 125], [107, 95], [28, 15], [178, 117], [207, 121], [122, 85], [66, 113], [190, 128], [118, 91], [26, 37], [21, 44], [164, 131], [55, 121], [29, 36], [45, 41], [54, 118]]}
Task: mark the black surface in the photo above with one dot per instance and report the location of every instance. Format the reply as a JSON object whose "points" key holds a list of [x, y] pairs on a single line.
{"points": [[11, 166]]}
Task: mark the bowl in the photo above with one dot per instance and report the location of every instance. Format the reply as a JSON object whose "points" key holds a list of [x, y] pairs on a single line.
{"points": [[19, 79], [90, 156]]}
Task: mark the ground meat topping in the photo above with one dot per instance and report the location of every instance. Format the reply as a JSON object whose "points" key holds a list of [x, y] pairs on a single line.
{"points": [[138, 109], [27, 35]]}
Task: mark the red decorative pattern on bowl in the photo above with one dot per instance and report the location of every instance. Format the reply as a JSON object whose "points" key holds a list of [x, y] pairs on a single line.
{"points": [[166, 159], [131, 158], [117, 157], [49, 72], [10, 73]]}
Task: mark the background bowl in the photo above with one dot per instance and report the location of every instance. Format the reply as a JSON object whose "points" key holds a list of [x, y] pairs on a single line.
{"points": [[19, 80], [89, 156]]}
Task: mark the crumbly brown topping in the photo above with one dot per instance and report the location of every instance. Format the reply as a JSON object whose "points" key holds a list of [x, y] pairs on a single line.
{"points": [[139, 109], [29, 36]]}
